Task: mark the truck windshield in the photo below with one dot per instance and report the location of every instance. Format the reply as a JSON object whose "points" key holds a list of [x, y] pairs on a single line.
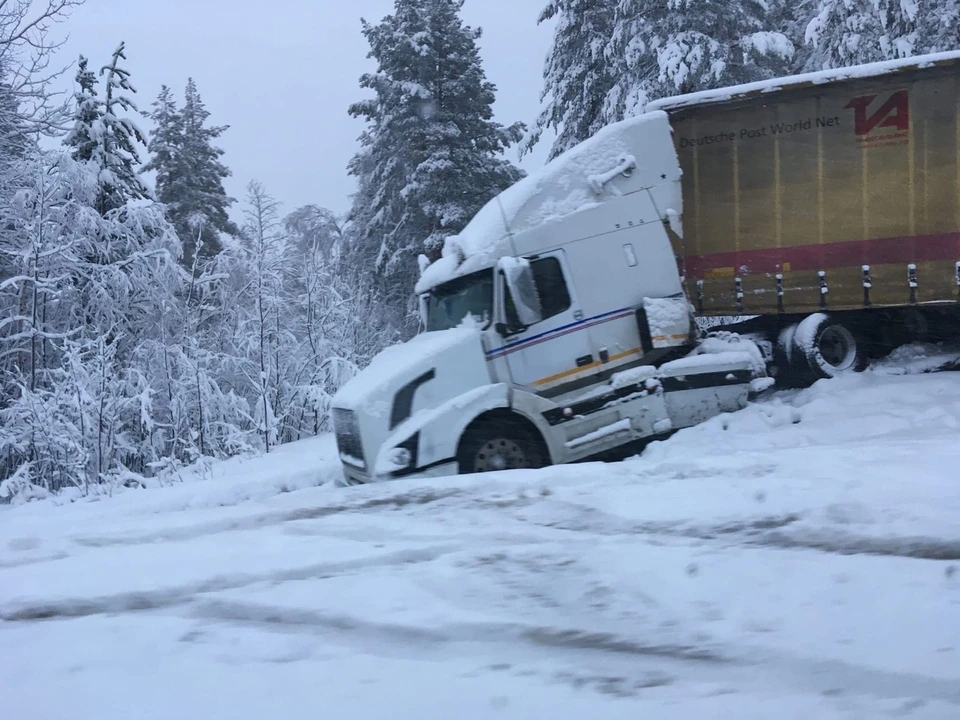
{"points": [[448, 305]]}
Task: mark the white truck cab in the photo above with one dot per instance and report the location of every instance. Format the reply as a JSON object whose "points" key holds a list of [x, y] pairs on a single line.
{"points": [[556, 327]]}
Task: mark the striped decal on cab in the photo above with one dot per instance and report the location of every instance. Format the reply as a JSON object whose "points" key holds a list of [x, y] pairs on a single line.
{"points": [[559, 332]]}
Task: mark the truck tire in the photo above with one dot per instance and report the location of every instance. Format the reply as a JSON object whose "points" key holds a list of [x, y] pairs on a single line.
{"points": [[498, 443], [824, 347]]}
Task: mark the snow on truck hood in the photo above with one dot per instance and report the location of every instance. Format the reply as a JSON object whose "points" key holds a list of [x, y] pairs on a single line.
{"points": [[564, 186], [401, 363]]}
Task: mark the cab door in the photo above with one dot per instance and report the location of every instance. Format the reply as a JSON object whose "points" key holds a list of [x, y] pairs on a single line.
{"points": [[548, 356]]}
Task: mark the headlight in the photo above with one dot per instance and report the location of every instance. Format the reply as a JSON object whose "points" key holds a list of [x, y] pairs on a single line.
{"points": [[400, 458]]}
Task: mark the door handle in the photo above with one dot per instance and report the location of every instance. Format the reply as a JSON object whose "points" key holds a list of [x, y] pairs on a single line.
{"points": [[585, 360]]}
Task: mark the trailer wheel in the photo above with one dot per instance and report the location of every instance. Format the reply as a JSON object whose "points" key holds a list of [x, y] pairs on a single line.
{"points": [[827, 348], [498, 442]]}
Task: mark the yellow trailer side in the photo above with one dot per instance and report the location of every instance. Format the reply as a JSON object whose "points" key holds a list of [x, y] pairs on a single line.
{"points": [[835, 196]]}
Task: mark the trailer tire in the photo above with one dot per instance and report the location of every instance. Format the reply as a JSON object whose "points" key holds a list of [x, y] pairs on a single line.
{"points": [[500, 441], [824, 347]]}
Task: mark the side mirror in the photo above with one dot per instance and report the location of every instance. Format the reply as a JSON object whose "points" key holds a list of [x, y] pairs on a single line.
{"points": [[505, 330], [423, 302], [523, 290]]}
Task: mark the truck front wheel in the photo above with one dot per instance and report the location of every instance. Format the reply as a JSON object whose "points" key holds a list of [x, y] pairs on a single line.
{"points": [[826, 348], [497, 442]]}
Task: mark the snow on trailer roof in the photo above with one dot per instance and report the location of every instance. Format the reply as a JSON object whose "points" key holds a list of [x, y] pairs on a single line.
{"points": [[738, 92], [570, 183]]}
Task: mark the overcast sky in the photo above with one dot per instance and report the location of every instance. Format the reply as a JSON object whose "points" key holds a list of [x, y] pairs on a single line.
{"points": [[281, 74]]}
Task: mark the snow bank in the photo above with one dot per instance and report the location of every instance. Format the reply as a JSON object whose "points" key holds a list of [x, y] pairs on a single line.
{"points": [[918, 358], [817, 78], [233, 490], [213, 483]]}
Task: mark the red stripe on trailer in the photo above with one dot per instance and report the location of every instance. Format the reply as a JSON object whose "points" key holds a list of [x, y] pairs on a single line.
{"points": [[877, 251]]}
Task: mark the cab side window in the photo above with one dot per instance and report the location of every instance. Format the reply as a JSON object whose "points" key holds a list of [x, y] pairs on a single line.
{"points": [[551, 287]]}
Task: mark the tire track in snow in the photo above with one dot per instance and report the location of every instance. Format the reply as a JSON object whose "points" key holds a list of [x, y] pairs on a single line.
{"points": [[418, 496], [39, 609], [743, 665], [784, 531], [299, 619]]}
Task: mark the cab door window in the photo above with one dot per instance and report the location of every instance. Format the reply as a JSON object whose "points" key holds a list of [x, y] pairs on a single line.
{"points": [[551, 287]]}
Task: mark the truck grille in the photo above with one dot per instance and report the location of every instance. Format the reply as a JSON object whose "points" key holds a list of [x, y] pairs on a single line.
{"points": [[348, 436]]}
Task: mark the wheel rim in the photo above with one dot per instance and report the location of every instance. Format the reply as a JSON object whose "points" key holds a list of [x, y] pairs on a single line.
{"points": [[837, 347], [500, 454]]}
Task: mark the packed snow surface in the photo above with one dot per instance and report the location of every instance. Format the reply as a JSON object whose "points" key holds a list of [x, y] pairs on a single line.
{"points": [[798, 559]]}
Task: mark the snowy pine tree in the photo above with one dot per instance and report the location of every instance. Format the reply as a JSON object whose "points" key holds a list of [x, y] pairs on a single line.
{"points": [[206, 200], [190, 174], [791, 17], [670, 47], [431, 155], [937, 26], [164, 145], [103, 136], [87, 114], [852, 32], [120, 159], [577, 74]]}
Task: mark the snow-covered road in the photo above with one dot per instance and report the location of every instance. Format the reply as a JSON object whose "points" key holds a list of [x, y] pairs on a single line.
{"points": [[799, 559]]}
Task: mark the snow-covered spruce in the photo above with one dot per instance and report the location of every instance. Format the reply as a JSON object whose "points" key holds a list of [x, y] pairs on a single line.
{"points": [[578, 73], [430, 155], [190, 174], [854, 32]]}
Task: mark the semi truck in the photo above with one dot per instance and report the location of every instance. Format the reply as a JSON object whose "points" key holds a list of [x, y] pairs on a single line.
{"points": [[821, 212]]}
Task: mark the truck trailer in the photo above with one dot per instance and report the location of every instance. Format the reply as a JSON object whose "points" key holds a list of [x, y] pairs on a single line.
{"points": [[828, 205], [822, 210]]}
